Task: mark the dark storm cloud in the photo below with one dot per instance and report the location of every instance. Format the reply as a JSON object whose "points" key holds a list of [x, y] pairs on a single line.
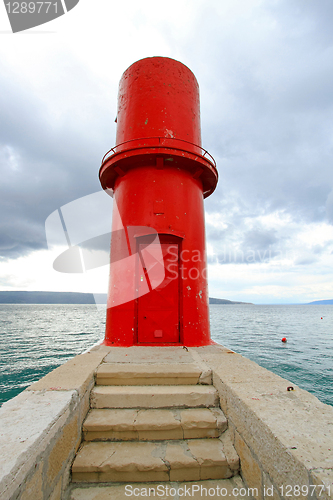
{"points": [[305, 261], [257, 239], [267, 114], [239, 245], [47, 159]]}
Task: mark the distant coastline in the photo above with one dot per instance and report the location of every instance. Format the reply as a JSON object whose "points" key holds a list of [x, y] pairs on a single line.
{"points": [[227, 302], [24, 297], [320, 302]]}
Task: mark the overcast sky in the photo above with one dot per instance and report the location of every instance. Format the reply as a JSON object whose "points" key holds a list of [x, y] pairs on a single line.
{"points": [[265, 71]]}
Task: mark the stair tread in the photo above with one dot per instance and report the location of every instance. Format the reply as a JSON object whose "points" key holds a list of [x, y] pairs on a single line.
{"points": [[149, 370], [118, 492], [129, 419], [192, 459], [153, 424], [153, 396], [149, 373], [154, 389]]}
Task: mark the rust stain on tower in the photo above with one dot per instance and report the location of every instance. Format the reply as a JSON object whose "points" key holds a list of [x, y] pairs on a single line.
{"points": [[159, 175]]}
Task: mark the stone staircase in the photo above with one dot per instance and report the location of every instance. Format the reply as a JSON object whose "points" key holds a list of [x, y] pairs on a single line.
{"points": [[152, 423]]}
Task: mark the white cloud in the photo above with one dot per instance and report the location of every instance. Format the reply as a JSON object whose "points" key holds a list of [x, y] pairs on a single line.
{"points": [[35, 272]]}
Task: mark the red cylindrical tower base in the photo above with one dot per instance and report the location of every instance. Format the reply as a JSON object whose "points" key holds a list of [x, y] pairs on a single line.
{"points": [[159, 175]]}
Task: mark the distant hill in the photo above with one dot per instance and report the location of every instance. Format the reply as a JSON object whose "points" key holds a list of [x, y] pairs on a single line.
{"points": [[320, 302], [226, 302], [20, 297]]}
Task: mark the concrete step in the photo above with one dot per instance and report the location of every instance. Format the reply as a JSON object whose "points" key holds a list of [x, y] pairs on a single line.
{"points": [[153, 425], [152, 374], [154, 396], [212, 489], [128, 461]]}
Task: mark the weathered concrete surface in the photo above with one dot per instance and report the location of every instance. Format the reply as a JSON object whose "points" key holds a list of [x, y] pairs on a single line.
{"points": [[147, 354], [28, 423], [76, 374]]}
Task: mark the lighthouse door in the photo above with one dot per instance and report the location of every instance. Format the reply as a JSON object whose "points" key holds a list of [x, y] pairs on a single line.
{"points": [[158, 310]]}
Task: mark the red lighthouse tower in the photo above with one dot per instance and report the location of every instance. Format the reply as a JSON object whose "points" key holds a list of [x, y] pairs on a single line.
{"points": [[159, 175]]}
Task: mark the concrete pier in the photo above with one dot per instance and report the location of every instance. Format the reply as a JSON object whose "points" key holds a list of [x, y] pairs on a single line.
{"points": [[202, 417]]}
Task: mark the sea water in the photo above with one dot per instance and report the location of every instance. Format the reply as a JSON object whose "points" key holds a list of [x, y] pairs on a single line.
{"points": [[35, 339], [256, 332]]}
